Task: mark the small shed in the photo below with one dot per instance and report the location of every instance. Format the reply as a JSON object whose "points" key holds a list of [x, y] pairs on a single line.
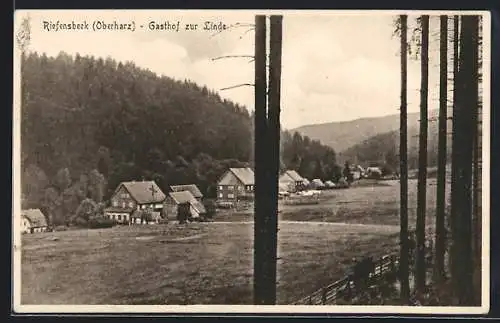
{"points": [[179, 202]]}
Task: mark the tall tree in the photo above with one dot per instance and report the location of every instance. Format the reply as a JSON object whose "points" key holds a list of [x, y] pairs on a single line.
{"points": [[439, 272], [454, 143], [403, 155], [462, 188], [260, 160], [274, 106], [422, 160]]}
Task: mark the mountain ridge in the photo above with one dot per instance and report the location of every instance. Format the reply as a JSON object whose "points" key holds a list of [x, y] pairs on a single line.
{"points": [[341, 135]]}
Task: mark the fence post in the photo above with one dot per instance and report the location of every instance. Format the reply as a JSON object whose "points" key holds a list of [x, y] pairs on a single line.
{"points": [[323, 296], [310, 300], [349, 291]]}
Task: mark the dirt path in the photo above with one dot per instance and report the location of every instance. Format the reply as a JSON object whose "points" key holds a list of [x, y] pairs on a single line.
{"points": [[320, 223]]}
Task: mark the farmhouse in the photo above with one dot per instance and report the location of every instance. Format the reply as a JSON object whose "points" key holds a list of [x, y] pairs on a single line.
{"points": [[191, 188], [131, 196], [184, 203], [32, 221], [236, 184], [292, 180]]}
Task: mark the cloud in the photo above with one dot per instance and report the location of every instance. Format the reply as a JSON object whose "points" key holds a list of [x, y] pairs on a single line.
{"points": [[334, 68]]}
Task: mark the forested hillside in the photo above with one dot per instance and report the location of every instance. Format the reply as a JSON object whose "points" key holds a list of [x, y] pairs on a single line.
{"points": [[88, 124], [384, 148]]}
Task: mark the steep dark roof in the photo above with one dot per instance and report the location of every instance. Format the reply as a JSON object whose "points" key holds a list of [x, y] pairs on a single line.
{"points": [[142, 192], [191, 188], [182, 197], [36, 217], [245, 175], [294, 175], [198, 206]]}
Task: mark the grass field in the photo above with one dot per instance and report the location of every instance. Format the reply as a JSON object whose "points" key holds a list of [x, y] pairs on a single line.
{"points": [[211, 263]]}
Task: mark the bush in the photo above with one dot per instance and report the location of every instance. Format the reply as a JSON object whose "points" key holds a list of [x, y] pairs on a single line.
{"points": [[100, 222]]}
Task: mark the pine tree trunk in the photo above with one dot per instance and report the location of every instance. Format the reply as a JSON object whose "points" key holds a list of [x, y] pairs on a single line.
{"points": [[420, 278], [260, 160], [274, 105], [439, 272], [454, 143], [467, 106], [403, 153]]}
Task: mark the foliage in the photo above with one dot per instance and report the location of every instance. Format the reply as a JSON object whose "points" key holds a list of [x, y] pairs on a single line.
{"points": [[100, 222]]}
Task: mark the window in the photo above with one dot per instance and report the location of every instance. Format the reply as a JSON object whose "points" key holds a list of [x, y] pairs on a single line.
{"points": [[221, 187], [119, 217], [231, 196], [240, 188], [123, 204], [230, 187], [130, 204], [220, 195]]}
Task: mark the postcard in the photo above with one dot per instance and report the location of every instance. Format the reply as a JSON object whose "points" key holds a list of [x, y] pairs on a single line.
{"points": [[251, 161]]}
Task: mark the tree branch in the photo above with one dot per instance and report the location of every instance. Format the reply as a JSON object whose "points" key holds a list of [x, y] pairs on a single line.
{"points": [[232, 56], [236, 86]]}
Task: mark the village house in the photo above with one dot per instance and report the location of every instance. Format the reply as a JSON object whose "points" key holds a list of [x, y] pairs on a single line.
{"points": [[357, 172], [33, 221], [183, 203], [236, 184], [373, 172], [131, 196], [191, 188], [317, 184], [292, 180]]}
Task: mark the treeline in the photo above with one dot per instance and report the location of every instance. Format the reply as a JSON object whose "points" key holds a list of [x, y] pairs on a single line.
{"points": [[92, 118], [383, 150], [309, 157]]}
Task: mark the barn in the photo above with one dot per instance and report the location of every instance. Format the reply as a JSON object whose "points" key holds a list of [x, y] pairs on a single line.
{"points": [[192, 188], [292, 180], [179, 203], [33, 221]]}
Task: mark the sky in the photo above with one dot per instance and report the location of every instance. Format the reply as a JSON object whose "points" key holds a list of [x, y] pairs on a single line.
{"points": [[335, 66]]}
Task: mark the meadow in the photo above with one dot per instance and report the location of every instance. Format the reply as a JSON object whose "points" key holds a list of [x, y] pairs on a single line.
{"points": [[212, 263]]}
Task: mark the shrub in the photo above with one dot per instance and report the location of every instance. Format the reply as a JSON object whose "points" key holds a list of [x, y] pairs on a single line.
{"points": [[101, 222]]}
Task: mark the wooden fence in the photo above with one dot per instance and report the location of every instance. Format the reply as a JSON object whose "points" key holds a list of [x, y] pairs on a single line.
{"points": [[385, 269]]}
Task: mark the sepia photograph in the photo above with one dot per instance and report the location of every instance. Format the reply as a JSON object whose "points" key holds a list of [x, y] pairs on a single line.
{"points": [[242, 161]]}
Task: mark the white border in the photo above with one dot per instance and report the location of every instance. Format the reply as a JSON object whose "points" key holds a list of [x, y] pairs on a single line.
{"points": [[276, 309]]}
